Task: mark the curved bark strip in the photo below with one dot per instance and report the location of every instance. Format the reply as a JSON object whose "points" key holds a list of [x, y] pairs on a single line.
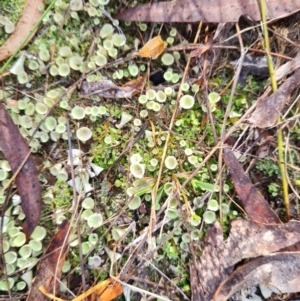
{"points": [[32, 12], [215, 273]]}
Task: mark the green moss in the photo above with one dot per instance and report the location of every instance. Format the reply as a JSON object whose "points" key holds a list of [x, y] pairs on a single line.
{"points": [[62, 194], [170, 250], [268, 167]]}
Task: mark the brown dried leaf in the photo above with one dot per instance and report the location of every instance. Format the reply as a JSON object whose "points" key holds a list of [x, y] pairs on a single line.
{"points": [[106, 88], [49, 268], [216, 11], [268, 109], [15, 149], [281, 270], [246, 240], [32, 12], [152, 49], [256, 207]]}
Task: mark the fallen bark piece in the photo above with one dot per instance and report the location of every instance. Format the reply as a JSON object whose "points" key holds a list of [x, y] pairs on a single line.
{"points": [[215, 11], [279, 270], [268, 109], [32, 12], [15, 150], [209, 269], [246, 240], [256, 207]]}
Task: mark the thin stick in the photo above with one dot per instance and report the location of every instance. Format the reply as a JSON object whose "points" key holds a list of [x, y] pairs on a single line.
{"points": [[75, 214]]}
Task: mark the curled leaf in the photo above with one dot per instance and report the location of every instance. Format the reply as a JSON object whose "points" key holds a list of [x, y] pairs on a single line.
{"points": [[136, 84]]}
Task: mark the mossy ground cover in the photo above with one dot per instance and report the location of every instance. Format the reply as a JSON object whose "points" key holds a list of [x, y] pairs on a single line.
{"points": [[118, 146]]}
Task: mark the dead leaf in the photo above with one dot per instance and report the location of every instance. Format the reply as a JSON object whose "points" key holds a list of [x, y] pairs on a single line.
{"points": [[50, 265], [246, 240], [256, 207], [106, 88], [268, 109], [152, 49], [215, 11], [32, 12], [279, 270], [15, 149]]}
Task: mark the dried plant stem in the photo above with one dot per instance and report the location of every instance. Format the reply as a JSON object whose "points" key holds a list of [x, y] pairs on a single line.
{"points": [[282, 163]]}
